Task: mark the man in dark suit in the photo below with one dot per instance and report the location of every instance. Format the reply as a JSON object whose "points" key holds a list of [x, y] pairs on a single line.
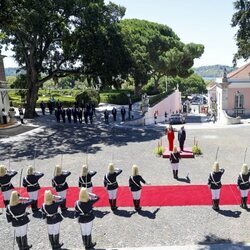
{"points": [[114, 112], [68, 112], [182, 137], [123, 113]]}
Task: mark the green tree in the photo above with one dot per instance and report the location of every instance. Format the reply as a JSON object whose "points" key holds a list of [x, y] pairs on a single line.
{"points": [[87, 96], [156, 51], [241, 19], [53, 39], [193, 84]]}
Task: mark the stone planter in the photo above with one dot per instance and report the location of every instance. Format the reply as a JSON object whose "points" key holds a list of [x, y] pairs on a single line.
{"points": [[12, 114]]}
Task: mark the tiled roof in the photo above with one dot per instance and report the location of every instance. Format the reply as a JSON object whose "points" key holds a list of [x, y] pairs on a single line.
{"points": [[242, 72]]}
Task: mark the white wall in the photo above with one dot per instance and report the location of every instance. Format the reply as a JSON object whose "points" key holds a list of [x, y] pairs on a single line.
{"points": [[170, 104]]}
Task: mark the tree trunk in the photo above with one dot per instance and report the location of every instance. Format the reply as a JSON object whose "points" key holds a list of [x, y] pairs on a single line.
{"points": [[156, 84], [137, 90], [32, 95]]}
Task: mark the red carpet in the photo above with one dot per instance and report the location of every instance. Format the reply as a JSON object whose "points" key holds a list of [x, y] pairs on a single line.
{"points": [[181, 195], [187, 153]]}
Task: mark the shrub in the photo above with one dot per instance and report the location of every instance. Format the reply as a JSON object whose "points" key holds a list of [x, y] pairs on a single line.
{"points": [[114, 98], [196, 149], [150, 89], [88, 95], [119, 97], [159, 151]]}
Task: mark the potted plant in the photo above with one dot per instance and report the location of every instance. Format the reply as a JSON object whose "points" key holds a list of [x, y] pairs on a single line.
{"points": [[159, 149], [196, 149], [12, 114]]}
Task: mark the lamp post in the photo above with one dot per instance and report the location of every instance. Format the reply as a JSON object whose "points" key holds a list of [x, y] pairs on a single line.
{"points": [[166, 83], [129, 106]]}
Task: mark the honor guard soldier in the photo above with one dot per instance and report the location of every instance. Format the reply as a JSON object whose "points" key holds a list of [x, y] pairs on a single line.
{"points": [[175, 159], [111, 184], [84, 209], [5, 184], [214, 182], [135, 186], [16, 214], [53, 217], [60, 184], [243, 185], [32, 185], [85, 178]]}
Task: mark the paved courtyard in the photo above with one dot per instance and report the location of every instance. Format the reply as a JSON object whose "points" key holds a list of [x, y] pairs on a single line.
{"points": [[183, 227]]}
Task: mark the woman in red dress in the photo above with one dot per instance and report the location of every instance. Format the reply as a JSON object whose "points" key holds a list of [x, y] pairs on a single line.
{"points": [[170, 136]]}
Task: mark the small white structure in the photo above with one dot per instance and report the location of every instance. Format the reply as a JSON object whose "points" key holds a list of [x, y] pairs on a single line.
{"points": [[4, 98]]}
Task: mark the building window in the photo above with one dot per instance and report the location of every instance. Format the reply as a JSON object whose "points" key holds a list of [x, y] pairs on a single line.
{"points": [[239, 103]]}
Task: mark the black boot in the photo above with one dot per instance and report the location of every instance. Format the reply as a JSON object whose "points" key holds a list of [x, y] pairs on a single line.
{"points": [[6, 202], [135, 204], [90, 244], [34, 206], [57, 245], [19, 242], [114, 204], [245, 203], [138, 208], [51, 240], [176, 174], [217, 204], [214, 204], [84, 240], [242, 202], [111, 203], [63, 206], [25, 243]]}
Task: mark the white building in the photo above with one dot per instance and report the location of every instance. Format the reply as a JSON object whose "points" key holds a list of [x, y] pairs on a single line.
{"points": [[232, 95]]}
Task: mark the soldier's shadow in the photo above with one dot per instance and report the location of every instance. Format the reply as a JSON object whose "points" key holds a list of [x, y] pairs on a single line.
{"points": [[187, 180], [123, 213], [100, 214], [229, 213], [149, 214]]}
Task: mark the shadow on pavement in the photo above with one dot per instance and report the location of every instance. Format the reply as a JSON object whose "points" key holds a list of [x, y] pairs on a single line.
{"points": [[212, 242], [100, 214], [124, 213], [186, 180], [148, 214], [229, 213], [59, 139]]}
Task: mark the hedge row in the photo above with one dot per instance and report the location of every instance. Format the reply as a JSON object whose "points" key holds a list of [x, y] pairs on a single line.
{"points": [[67, 97]]}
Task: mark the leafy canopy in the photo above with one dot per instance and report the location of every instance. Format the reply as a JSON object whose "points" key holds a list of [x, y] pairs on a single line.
{"points": [[55, 38], [241, 20], [155, 50]]}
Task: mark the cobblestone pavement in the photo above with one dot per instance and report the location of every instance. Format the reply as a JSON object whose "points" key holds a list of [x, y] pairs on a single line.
{"points": [[195, 227]]}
